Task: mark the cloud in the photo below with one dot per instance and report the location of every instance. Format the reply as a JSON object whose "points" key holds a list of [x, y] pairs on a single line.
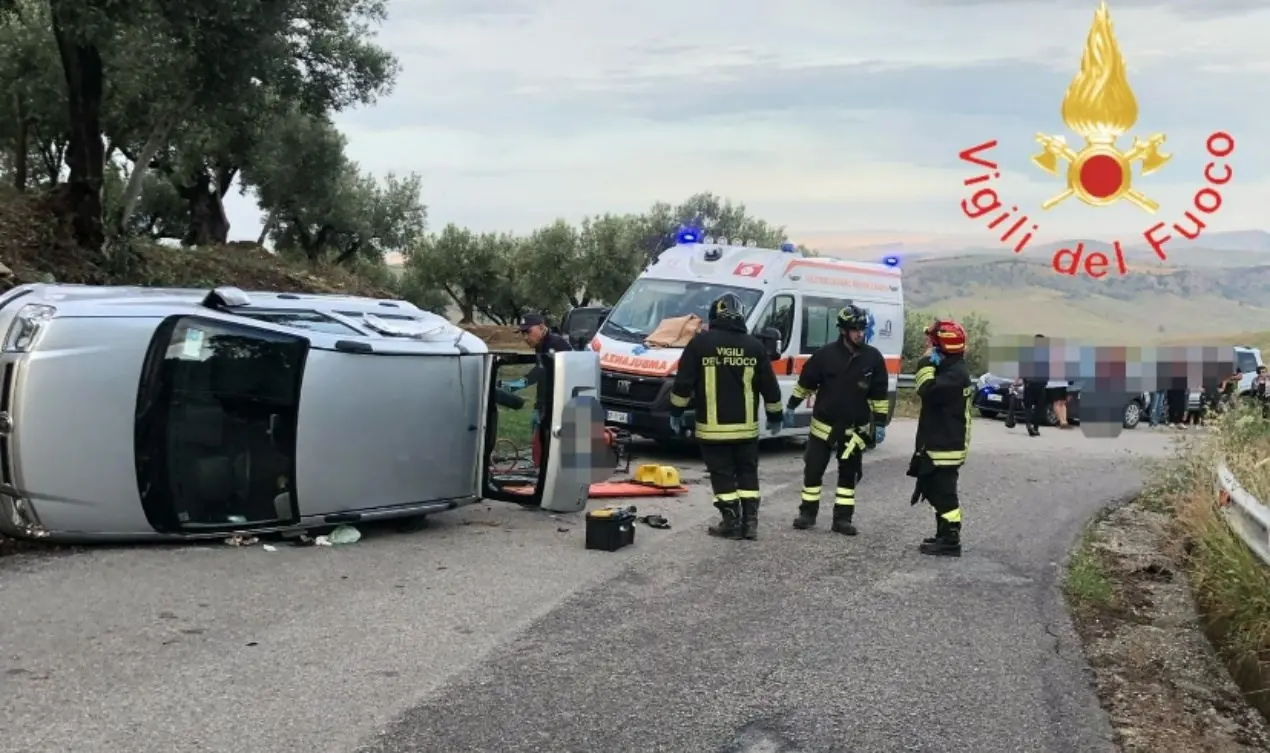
{"points": [[821, 115]]}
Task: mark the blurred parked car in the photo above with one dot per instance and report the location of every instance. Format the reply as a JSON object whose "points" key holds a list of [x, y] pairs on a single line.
{"points": [[992, 399]]}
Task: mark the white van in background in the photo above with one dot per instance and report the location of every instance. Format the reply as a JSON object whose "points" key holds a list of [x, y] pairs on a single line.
{"points": [[780, 289]]}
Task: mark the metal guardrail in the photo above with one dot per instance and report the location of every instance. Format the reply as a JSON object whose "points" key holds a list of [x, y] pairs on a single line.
{"points": [[1244, 513], [904, 382]]}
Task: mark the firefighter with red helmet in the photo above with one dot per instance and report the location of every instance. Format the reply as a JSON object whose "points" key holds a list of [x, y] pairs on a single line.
{"points": [[943, 432]]}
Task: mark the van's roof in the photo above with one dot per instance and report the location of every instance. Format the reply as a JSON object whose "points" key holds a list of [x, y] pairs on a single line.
{"points": [[749, 267], [108, 301]]}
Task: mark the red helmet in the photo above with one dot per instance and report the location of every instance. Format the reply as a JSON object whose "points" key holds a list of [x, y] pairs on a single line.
{"points": [[947, 337]]}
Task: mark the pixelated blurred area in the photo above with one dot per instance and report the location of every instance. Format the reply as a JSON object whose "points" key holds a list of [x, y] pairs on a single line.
{"points": [[1190, 379]]}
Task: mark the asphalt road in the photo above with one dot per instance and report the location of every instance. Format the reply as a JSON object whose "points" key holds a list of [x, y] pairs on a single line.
{"points": [[494, 630]]}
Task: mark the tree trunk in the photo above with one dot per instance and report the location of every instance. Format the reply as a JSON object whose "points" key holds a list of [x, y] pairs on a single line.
{"points": [[208, 224], [132, 193], [350, 253], [20, 144], [265, 228], [85, 155]]}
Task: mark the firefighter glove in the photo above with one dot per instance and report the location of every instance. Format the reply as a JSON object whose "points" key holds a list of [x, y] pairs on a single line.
{"points": [[935, 358], [775, 424], [513, 385], [879, 434], [787, 419], [535, 420]]}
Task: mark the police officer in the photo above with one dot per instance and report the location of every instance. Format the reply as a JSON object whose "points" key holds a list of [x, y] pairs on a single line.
{"points": [[722, 374], [533, 327], [849, 381], [943, 433]]}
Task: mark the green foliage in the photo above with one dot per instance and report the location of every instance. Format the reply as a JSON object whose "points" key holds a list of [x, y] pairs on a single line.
{"points": [[978, 334], [560, 266], [196, 97]]}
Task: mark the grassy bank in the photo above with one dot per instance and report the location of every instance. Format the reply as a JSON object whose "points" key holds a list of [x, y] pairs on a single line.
{"points": [[1229, 584]]}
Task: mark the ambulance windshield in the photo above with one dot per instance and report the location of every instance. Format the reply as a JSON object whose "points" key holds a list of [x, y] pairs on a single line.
{"points": [[649, 302]]}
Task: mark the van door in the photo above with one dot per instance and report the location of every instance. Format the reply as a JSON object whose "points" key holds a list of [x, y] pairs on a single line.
{"points": [[556, 475], [817, 327], [781, 314]]}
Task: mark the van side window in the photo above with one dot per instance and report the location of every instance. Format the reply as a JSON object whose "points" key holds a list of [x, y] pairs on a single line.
{"points": [[780, 316], [1246, 362], [820, 322]]}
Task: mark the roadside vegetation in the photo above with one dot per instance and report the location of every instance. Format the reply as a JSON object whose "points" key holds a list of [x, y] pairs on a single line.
{"points": [[1156, 582]]}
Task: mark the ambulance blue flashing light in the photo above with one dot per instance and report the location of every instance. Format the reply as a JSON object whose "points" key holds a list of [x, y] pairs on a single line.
{"points": [[688, 235], [789, 248], [891, 261]]}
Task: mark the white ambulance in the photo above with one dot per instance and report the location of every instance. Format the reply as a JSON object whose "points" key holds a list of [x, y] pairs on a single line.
{"points": [[780, 289]]}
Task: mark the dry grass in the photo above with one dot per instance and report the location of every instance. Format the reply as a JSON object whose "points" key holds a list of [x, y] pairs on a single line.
{"points": [[1231, 585], [36, 246]]}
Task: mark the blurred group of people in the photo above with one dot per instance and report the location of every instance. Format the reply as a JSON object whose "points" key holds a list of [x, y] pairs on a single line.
{"points": [[1174, 407]]}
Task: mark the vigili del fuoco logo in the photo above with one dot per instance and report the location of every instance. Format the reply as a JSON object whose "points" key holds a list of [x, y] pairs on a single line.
{"points": [[1101, 108]]}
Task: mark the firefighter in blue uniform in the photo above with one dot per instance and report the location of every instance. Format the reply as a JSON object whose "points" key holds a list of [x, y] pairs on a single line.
{"points": [[722, 374], [943, 433], [849, 380]]}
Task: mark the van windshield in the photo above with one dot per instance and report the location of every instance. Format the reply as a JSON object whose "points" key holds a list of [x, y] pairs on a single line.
{"points": [[649, 302]]}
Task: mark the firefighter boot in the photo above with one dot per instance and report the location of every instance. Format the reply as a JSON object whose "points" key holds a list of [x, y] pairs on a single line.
{"points": [[730, 526], [842, 519], [947, 544], [806, 515], [940, 527], [749, 519]]}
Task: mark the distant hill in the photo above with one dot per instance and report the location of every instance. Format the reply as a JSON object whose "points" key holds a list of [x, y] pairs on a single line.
{"points": [[1025, 295], [1238, 248]]}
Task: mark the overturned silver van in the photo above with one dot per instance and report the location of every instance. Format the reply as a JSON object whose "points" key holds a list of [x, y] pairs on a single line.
{"points": [[143, 413]]}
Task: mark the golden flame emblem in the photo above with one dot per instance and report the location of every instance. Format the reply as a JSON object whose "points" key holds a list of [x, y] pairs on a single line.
{"points": [[1100, 106]]}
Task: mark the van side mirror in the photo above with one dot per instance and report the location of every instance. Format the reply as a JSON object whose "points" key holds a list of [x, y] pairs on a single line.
{"points": [[771, 339]]}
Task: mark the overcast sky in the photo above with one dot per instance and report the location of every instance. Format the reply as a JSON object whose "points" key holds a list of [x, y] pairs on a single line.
{"points": [[823, 115]]}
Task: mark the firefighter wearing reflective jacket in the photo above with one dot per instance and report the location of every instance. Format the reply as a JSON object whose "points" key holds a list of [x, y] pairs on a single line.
{"points": [[722, 374], [943, 433], [849, 380]]}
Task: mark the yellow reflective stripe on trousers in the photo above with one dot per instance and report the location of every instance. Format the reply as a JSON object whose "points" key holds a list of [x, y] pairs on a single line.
{"points": [[946, 457], [679, 401], [952, 516], [854, 442], [720, 432], [811, 494], [801, 392], [747, 394], [747, 493], [880, 406], [820, 429], [844, 496], [727, 497], [923, 375], [712, 396]]}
